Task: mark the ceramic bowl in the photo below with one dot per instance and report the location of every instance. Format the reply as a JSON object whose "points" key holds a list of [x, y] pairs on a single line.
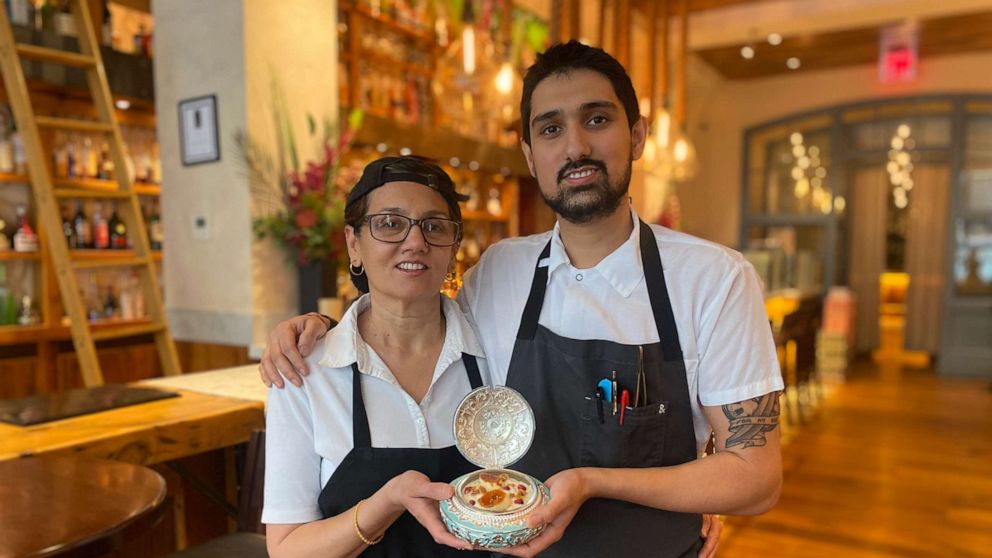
{"points": [[494, 427], [493, 530]]}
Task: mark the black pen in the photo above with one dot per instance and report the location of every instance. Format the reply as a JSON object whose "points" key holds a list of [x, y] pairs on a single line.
{"points": [[599, 404], [616, 394]]}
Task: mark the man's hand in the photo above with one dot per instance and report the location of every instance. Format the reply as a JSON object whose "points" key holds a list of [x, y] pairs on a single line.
{"points": [[289, 343], [414, 492], [568, 493], [712, 527]]}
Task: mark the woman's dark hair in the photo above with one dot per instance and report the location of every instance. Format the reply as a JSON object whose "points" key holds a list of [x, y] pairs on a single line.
{"points": [[573, 55], [355, 212]]}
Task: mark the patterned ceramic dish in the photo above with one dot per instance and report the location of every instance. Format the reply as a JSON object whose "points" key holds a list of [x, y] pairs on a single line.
{"points": [[494, 427]]}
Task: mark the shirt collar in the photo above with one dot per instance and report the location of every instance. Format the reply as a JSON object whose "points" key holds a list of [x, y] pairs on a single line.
{"points": [[622, 268], [343, 345]]}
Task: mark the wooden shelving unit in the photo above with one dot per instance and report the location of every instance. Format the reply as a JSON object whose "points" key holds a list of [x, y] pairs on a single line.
{"points": [[39, 358]]}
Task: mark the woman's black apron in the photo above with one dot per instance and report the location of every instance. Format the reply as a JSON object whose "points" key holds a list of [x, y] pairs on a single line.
{"points": [[365, 469], [558, 376]]}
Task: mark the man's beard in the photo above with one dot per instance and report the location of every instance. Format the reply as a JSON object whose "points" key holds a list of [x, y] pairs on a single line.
{"points": [[584, 204]]}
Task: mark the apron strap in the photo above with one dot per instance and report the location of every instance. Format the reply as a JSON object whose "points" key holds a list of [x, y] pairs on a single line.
{"points": [[359, 418], [661, 304], [472, 369], [532, 311]]}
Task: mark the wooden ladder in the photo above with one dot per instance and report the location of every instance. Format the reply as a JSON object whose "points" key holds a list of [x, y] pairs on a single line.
{"points": [[47, 196]]}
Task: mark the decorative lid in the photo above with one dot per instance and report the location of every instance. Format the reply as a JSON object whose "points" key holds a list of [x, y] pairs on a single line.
{"points": [[494, 427]]}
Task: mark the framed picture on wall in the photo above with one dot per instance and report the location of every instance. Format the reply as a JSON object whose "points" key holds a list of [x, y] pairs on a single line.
{"points": [[198, 138]]}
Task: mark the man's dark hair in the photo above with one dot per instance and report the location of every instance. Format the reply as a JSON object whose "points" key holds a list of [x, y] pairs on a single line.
{"points": [[355, 212], [573, 55]]}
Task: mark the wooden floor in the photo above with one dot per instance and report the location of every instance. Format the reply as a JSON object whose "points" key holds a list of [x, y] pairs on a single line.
{"points": [[896, 463]]}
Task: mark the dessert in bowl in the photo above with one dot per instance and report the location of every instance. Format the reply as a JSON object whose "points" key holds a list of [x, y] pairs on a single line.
{"points": [[494, 427]]}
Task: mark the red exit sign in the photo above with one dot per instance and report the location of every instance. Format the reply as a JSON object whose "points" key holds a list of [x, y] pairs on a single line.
{"points": [[897, 53]]}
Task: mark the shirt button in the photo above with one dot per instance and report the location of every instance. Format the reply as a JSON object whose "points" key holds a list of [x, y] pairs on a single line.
{"points": [[578, 276]]}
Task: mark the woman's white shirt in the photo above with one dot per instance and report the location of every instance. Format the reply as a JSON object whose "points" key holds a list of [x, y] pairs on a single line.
{"points": [[309, 429]]}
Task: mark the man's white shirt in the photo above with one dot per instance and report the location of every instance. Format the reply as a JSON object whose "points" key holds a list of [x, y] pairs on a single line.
{"points": [[716, 298]]}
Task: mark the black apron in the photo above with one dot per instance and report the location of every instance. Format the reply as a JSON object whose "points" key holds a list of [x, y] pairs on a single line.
{"points": [[558, 376], [365, 469]]}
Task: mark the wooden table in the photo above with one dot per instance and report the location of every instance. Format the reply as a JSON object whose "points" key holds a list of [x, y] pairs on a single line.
{"points": [[74, 506], [147, 433]]}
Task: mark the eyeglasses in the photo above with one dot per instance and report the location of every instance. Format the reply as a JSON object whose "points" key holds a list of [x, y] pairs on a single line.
{"points": [[389, 227]]}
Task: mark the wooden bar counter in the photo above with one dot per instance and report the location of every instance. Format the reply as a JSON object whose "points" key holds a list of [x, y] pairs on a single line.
{"points": [[146, 433]]}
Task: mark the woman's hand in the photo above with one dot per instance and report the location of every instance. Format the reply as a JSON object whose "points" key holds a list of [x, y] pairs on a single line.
{"points": [[414, 492], [289, 343]]}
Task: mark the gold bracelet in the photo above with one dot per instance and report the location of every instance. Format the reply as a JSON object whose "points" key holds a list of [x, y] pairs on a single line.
{"points": [[358, 531]]}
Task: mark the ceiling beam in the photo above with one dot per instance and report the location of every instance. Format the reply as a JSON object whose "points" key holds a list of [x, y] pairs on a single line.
{"points": [[749, 23]]}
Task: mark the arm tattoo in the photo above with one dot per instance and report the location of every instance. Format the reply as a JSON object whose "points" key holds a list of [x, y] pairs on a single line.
{"points": [[749, 420]]}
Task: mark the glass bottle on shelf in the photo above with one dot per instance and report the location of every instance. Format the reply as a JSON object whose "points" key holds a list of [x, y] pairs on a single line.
{"points": [[156, 234], [25, 240], [6, 150], [105, 169], [110, 306], [84, 232], [4, 241], [117, 228], [106, 31], [8, 309], [68, 228], [20, 158], [28, 314], [71, 161], [101, 229]]}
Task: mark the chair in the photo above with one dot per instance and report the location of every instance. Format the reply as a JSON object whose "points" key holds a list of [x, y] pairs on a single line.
{"points": [[249, 541], [796, 339]]}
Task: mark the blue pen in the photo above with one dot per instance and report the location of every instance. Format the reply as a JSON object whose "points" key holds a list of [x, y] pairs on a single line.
{"points": [[607, 386]]}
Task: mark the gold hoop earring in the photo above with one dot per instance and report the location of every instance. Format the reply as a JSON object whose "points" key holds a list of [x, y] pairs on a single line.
{"points": [[357, 272]]}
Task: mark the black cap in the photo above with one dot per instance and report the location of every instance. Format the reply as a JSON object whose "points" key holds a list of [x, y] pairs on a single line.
{"points": [[404, 169]]}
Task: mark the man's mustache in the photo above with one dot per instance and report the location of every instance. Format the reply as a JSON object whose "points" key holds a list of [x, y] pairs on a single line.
{"points": [[569, 167]]}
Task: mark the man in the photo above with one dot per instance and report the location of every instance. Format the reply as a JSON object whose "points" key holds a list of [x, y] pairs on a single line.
{"points": [[679, 321]]}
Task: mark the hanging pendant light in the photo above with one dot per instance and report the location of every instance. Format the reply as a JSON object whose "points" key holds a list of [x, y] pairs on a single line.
{"points": [[468, 39], [684, 164]]}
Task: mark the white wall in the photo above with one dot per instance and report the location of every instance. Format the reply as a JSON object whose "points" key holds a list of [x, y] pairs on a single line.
{"points": [[229, 288], [720, 110], [199, 51]]}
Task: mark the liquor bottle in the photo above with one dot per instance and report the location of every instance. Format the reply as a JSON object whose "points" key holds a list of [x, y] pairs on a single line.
{"points": [[118, 230], [24, 238], [20, 158], [106, 35], [105, 170], [21, 12], [28, 314], [84, 232], [4, 241], [101, 229], [110, 305], [68, 229], [6, 146], [71, 162], [47, 12], [65, 24], [85, 155], [156, 234], [8, 310]]}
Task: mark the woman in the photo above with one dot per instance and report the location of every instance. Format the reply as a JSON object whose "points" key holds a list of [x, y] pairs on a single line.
{"points": [[357, 460]]}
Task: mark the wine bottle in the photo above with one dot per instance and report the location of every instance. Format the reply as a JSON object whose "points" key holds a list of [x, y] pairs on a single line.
{"points": [[25, 240], [101, 229], [117, 228], [84, 233], [68, 229], [156, 234]]}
